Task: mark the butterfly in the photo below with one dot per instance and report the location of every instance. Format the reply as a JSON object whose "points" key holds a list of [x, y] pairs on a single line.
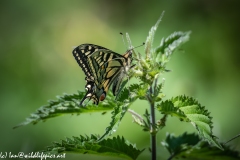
{"points": [[102, 68]]}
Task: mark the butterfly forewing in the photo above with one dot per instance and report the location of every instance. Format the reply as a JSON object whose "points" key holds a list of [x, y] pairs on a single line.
{"points": [[81, 54], [102, 68]]}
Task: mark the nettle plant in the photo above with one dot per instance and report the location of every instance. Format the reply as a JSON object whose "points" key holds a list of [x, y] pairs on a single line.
{"points": [[148, 70]]}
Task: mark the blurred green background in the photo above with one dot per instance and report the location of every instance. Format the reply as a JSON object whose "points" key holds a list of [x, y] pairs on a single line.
{"points": [[37, 38]]}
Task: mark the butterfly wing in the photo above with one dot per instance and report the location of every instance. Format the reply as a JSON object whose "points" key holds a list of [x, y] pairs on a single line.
{"points": [[81, 54], [90, 87], [117, 84], [102, 68], [106, 66]]}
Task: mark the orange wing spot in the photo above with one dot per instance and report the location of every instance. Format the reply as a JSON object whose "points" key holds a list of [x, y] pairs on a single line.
{"points": [[102, 97]]}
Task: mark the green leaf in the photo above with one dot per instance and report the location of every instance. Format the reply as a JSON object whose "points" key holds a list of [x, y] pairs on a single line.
{"points": [[117, 114], [157, 90], [189, 146], [149, 40], [120, 109], [136, 117], [129, 41], [203, 151], [124, 95], [115, 147], [168, 45], [147, 122], [189, 110], [175, 145], [206, 152], [67, 104], [167, 107]]}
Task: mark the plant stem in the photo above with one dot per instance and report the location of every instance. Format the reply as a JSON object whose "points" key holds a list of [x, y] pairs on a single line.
{"points": [[153, 134], [153, 124], [171, 157]]}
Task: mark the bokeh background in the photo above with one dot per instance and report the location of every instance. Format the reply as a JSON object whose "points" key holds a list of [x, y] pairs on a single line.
{"points": [[36, 64]]}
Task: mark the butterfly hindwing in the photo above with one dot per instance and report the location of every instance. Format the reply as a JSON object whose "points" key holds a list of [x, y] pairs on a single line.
{"points": [[107, 66]]}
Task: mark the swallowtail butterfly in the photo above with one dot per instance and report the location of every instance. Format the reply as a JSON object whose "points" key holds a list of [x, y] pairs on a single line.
{"points": [[102, 68]]}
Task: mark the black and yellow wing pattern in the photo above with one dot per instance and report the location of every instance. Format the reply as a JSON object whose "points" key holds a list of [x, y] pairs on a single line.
{"points": [[102, 68]]}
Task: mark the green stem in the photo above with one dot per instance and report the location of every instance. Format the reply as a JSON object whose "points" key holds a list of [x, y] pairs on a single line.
{"points": [[153, 135], [153, 124]]}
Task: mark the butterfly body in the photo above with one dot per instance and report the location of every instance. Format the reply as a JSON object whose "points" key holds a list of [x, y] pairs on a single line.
{"points": [[102, 68]]}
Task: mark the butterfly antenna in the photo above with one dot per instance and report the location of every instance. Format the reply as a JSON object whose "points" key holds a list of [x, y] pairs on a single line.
{"points": [[123, 39], [138, 46]]}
